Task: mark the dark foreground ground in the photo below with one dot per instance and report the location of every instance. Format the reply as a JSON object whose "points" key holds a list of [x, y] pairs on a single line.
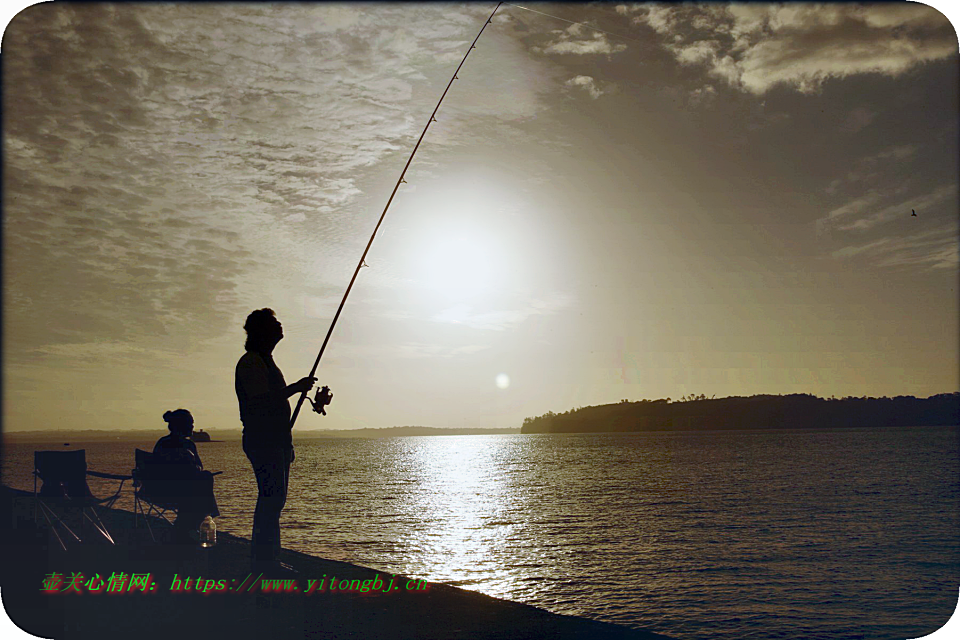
{"points": [[239, 609]]}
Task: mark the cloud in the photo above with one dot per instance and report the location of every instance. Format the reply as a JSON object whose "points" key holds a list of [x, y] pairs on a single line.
{"points": [[857, 119], [117, 354], [432, 351], [697, 52], [703, 95], [864, 212], [935, 249], [901, 152], [894, 211], [871, 170], [756, 47], [587, 84], [573, 40], [856, 206], [930, 238], [164, 163], [851, 251], [501, 320], [875, 169], [661, 18]]}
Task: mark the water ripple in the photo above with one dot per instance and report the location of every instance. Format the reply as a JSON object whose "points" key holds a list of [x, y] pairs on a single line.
{"points": [[728, 535]]}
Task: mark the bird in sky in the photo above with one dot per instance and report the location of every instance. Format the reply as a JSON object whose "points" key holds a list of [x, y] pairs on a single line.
{"points": [[914, 212]]}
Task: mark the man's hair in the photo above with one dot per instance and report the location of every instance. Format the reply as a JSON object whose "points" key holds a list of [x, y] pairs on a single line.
{"points": [[178, 421], [256, 325]]}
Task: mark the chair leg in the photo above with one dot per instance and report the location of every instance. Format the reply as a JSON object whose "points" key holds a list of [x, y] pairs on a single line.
{"points": [[113, 499], [138, 506], [146, 518], [52, 528], [149, 526], [98, 523], [162, 514], [47, 512]]}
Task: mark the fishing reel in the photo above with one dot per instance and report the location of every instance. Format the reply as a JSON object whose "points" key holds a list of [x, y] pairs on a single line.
{"points": [[322, 399]]}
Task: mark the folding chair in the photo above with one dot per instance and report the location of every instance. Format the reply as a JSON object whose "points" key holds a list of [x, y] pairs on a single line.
{"points": [[63, 475], [153, 487]]}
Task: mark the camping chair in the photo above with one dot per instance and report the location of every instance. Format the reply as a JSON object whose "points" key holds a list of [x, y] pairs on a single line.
{"points": [[152, 487], [63, 475]]}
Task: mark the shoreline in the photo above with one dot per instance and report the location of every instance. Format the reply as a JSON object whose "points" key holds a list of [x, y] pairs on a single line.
{"points": [[412, 609], [45, 437]]}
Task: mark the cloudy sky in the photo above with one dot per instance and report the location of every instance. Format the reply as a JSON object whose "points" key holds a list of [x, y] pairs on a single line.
{"points": [[683, 199]]}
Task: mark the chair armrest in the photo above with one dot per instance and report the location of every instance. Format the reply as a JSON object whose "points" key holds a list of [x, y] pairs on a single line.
{"points": [[111, 476]]}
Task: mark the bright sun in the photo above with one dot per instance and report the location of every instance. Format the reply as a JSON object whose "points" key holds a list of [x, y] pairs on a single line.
{"points": [[460, 265]]}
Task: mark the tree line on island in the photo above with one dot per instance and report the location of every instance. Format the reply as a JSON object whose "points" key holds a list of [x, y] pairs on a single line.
{"points": [[793, 411]]}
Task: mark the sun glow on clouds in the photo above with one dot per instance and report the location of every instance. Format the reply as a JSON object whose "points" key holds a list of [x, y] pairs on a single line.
{"points": [[755, 47], [503, 381]]}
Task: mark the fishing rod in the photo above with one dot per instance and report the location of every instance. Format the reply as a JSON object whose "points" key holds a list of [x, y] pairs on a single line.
{"points": [[324, 395]]}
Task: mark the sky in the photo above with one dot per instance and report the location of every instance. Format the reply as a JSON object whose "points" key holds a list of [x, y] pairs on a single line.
{"points": [[659, 201]]}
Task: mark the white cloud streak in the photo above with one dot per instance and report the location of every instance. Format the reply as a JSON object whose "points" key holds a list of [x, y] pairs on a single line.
{"points": [[928, 240], [755, 47], [576, 40], [501, 320], [935, 249], [586, 83]]}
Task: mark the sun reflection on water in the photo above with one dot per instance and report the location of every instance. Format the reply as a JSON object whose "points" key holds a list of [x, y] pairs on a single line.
{"points": [[676, 532], [467, 507]]}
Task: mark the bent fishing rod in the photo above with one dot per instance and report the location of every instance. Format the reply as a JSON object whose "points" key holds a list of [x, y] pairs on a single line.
{"points": [[323, 395]]}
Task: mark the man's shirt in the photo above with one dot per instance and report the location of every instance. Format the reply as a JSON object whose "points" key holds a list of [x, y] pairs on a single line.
{"points": [[264, 411]]}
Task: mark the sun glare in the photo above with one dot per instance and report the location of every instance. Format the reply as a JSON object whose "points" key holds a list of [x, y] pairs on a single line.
{"points": [[460, 265]]}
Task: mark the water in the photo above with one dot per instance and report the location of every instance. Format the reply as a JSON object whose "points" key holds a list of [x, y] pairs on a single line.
{"points": [[739, 535]]}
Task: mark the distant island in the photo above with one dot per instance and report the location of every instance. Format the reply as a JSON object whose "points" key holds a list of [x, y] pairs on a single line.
{"points": [[794, 411]]}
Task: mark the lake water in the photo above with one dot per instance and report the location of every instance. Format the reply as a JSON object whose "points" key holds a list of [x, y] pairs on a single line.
{"points": [[740, 535]]}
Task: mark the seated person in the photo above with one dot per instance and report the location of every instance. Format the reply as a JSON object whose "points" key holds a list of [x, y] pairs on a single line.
{"points": [[184, 483]]}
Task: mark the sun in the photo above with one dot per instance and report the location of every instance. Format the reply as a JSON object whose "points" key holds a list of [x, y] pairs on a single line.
{"points": [[458, 264], [461, 265]]}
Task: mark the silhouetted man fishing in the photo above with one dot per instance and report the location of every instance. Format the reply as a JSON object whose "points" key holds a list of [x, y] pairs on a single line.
{"points": [[267, 439], [263, 394]]}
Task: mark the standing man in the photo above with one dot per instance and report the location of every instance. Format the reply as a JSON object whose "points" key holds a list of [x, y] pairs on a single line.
{"points": [[267, 441]]}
